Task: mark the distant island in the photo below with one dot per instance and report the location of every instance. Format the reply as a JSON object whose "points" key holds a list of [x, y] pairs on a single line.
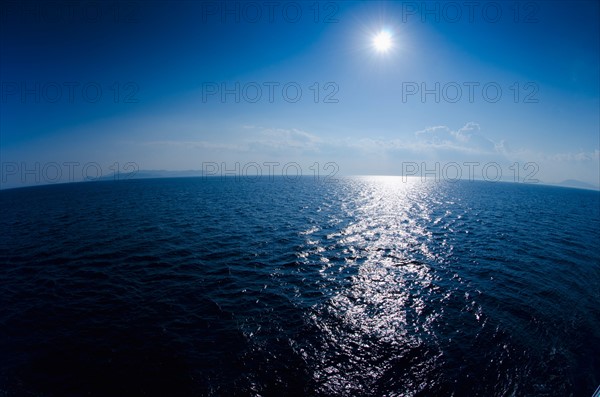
{"points": [[577, 184], [146, 174]]}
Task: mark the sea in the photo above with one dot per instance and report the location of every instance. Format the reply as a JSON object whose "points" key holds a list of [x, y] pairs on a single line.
{"points": [[359, 286]]}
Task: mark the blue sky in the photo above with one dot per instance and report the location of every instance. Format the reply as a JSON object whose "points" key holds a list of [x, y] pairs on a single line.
{"points": [[161, 67]]}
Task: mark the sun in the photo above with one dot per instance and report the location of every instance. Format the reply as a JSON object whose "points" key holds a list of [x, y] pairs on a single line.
{"points": [[383, 41]]}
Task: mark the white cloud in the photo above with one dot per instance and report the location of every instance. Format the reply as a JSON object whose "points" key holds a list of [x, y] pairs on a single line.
{"points": [[465, 139], [437, 143], [280, 138]]}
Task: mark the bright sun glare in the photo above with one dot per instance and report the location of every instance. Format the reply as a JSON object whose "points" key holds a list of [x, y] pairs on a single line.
{"points": [[382, 41]]}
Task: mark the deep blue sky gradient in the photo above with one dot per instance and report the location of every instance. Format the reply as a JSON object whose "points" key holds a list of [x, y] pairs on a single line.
{"points": [[171, 50]]}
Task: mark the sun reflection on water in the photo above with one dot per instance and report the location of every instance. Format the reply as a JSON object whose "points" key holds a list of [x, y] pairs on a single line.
{"points": [[379, 319]]}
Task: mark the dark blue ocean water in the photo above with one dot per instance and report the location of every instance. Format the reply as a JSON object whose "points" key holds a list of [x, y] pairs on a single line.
{"points": [[367, 286]]}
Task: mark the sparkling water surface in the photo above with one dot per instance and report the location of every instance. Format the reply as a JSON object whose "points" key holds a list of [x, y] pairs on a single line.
{"points": [[366, 286]]}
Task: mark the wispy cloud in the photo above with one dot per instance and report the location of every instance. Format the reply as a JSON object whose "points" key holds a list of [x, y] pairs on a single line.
{"points": [[465, 139], [280, 138], [255, 139], [436, 143], [198, 145]]}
